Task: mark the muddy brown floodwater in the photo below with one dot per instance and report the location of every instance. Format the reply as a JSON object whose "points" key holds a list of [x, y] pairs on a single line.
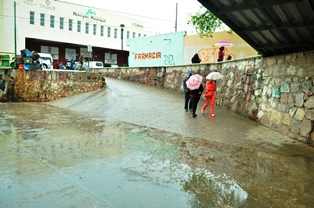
{"points": [[131, 145]]}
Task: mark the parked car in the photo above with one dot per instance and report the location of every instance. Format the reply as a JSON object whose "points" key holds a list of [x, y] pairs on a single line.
{"points": [[111, 65], [94, 64], [45, 60]]}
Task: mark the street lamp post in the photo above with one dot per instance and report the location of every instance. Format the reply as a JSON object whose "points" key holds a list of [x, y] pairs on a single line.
{"points": [[122, 27]]}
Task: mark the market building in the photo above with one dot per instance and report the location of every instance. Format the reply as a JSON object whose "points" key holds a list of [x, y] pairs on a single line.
{"points": [[65, 29]]}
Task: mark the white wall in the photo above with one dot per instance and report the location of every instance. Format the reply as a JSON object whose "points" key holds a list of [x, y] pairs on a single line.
{"points": [[67, 11]]}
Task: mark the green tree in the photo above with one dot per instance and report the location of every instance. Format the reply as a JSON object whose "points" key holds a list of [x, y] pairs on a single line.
{"points": [[205, 22]]}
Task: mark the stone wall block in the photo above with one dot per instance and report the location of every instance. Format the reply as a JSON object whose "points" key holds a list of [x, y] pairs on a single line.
{"points": [[257, 92], [307, 87], [270, 61], [295, 87], [238, 78], [295, 127], [287, 119], [283, 129], [268, 72], [276, 92], [309, 114], [276, 71], [229, 83], [278, 82], [290, 101], [283, 70], [292, 70], [258, 63], [284, 98], [273, 102], [282, 107], [299, 99], [265, 120], [276, 117], [309, 103], [301, 72], [292, 111], [300, 114], [305, 127], [285, 87]]}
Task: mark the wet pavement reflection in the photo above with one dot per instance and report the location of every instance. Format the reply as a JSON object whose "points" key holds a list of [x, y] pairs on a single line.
{"points": [[131, 145]]}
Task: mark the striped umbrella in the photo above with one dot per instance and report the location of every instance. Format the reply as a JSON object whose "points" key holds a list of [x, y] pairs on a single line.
{"points": [[225, 43]]}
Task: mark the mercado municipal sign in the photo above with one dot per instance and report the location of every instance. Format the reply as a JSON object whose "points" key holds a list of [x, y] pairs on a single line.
{"points": [[89, 16]]}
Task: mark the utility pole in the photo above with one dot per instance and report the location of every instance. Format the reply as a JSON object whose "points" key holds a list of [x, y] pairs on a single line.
{"points": [[176, 22], [15, 47]]}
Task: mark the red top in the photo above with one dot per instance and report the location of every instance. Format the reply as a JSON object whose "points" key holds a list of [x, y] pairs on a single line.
{"points": [[210, 88]]}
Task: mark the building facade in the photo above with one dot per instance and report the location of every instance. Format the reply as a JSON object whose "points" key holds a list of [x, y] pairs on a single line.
{"points": [[65, 29]]}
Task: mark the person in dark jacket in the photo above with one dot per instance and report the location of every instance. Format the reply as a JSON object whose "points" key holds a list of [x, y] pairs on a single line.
{"points": [[187, 103], [195, 96], [196, 59]]}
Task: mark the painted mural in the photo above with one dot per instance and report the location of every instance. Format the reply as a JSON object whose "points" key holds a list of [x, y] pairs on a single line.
{"points": [[157, 50], [211, 54]]}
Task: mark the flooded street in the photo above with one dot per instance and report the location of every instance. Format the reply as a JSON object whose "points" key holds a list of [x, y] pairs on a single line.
{"points": [[132, 145]]}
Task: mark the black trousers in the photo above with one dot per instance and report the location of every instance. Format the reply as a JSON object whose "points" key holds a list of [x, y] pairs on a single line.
{"points": [[187, 102], [194, 101]]}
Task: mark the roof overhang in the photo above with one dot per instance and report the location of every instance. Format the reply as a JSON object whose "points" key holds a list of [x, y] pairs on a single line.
{"points": [[272, 27]]}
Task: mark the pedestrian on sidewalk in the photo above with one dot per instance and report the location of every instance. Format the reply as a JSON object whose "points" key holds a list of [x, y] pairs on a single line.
{"points": [[210, 97], [81, 61], [187, 103], [196, 59], [221, 54], [195, 96]]}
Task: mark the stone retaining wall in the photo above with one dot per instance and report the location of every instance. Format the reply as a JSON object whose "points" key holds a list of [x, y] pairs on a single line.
{"points": [[43, 86]]}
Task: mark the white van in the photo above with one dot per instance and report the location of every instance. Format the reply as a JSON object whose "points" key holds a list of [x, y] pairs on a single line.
{"points": [[45, 61], [94, 64]]}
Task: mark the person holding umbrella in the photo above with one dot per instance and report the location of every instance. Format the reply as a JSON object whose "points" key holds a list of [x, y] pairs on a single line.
{"points": [[187, 103], [210, 92], [221, 53], [194, 83]]}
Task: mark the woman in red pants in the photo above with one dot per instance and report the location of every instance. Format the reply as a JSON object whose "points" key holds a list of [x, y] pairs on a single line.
{"points": [[210, 97]]}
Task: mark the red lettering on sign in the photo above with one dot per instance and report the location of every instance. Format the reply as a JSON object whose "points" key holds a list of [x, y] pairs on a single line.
{"points": [[151, 55]]}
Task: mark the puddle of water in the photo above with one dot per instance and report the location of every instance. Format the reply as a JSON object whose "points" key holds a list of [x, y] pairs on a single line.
{"points": [[117, 164]]}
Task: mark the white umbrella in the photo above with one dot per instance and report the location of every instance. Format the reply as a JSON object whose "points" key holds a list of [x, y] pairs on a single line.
{"points": [[214, 76]]}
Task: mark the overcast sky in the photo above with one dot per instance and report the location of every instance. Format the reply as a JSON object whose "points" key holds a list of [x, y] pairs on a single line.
{"points": [[162, 13]]}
